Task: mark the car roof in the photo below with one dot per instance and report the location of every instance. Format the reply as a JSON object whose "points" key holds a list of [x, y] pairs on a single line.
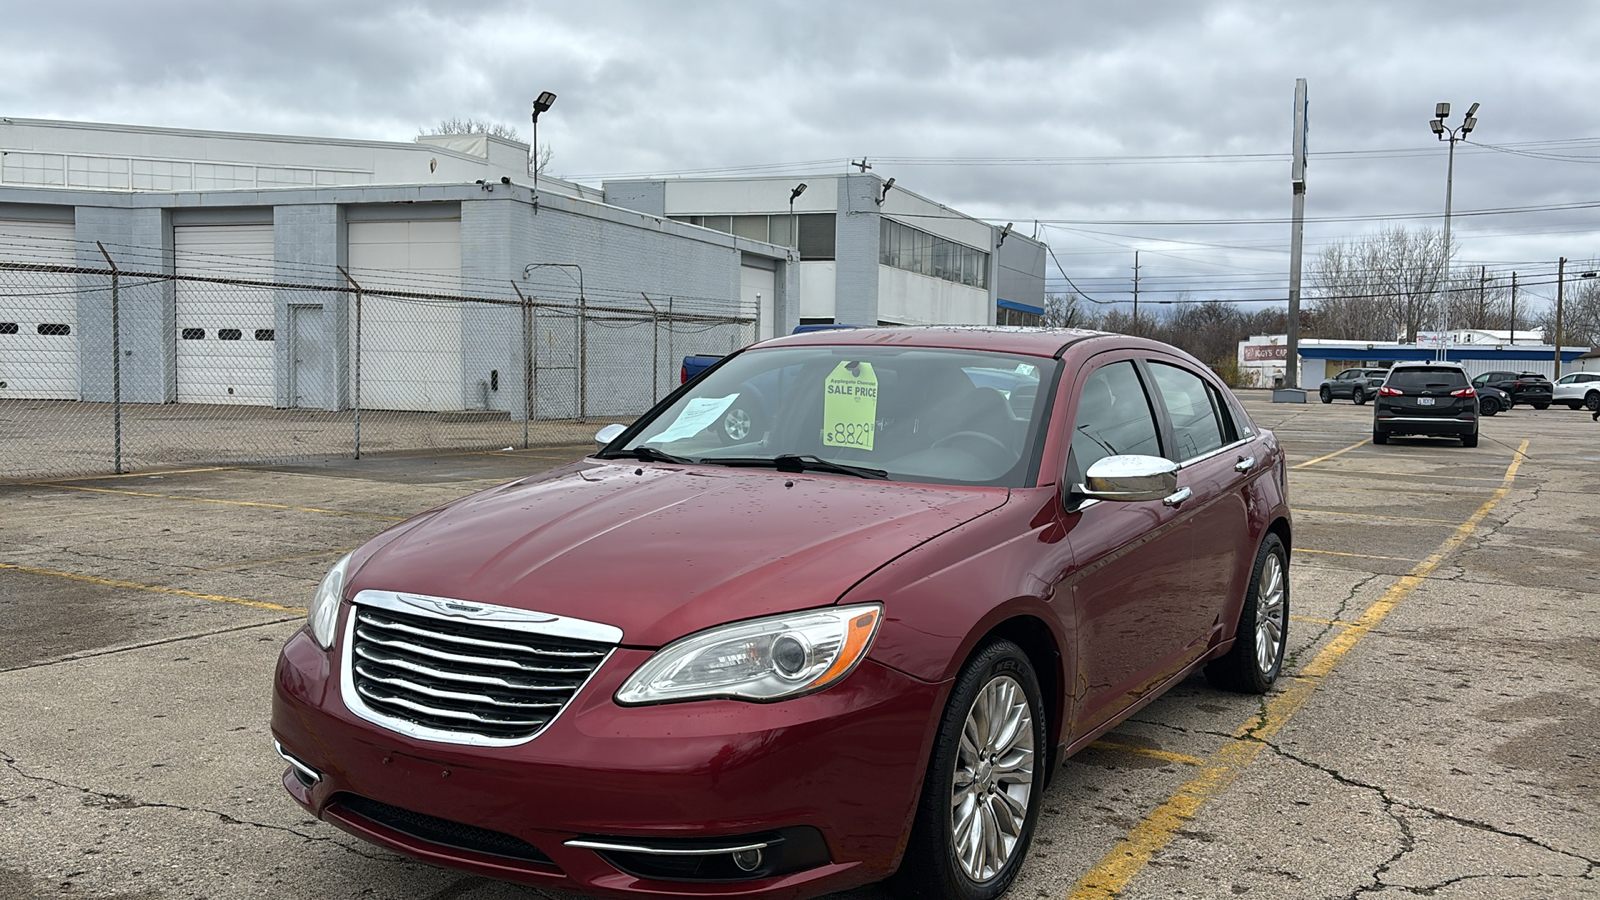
{"points": [[999, 338], [1427, 363]]}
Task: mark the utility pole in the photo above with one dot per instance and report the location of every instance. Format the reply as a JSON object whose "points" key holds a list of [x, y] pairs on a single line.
{"points": [[1482, 280], [1297, 186], [1513, 307], [1561, 279], [1136, 290]]}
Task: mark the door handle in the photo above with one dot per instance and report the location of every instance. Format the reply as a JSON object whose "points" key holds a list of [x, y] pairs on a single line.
{"points": [[1173, 500], [1245, 464]]}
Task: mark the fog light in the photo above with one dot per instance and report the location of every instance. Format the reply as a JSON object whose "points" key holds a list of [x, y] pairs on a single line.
{"points": [[747, 860]]}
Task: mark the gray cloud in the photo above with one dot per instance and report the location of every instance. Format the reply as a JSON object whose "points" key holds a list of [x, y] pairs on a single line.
{"points": [[653, 87]]}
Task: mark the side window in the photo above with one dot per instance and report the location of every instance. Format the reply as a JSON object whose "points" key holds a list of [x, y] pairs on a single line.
{"points": [[1231, 430], [1113, 418], [1194, 420], [1482, 379]]}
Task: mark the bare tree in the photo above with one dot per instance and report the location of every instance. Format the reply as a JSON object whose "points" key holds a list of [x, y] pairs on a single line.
{"points": [[1068, 310], [1382, 287], [472, 126], [1580, 315], [541, 157]]}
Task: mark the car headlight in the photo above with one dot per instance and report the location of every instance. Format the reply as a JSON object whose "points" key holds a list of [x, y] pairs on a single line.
{"points": [[324, 611], [773, 658]]}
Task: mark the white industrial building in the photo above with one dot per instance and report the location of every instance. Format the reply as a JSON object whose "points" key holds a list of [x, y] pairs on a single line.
{"points": [[452, 215], [1264, 355]]}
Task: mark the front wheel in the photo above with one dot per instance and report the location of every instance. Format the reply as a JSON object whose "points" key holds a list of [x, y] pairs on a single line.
{"points": [[1326, 394], [1488, 406], [981, 798], [1253, 663]]}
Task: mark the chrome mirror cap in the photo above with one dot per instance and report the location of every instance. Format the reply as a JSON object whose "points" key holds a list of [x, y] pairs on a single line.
{"points": [[607, 434], [1130, 478]]}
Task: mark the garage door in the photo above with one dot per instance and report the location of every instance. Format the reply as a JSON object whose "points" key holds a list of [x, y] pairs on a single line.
{"points": [[410, 349], [38, 313], [756, 286], [225, 332]]}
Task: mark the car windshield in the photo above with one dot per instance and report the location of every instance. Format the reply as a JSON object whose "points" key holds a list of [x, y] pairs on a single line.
{"points": [[1419, 379], [907, 414]]}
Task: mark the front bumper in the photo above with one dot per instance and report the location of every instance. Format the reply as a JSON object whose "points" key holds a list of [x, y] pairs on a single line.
{"points": [[845, 764]]}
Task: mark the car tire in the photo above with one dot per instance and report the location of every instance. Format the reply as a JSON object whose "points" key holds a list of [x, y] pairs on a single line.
{"points": [[1488, 406], [1469, 440], [1359, 396], [1574, 404], [1591, 401], [1541, 406], [1256, 658], [1379, 437], [1325, 394], [965, 789]]}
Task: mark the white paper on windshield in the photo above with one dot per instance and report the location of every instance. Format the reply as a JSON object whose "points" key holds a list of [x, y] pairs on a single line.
{"points": [[696, 415]]}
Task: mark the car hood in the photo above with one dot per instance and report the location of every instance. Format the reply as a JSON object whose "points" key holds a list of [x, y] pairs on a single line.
{"points": [[662, 551]]}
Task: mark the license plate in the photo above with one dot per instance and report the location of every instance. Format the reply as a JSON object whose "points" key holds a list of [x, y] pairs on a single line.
{"points": [[1424, 401]]}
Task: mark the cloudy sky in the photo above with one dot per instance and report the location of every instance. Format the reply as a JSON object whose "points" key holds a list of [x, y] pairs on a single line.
{"points": [[1162, 126]]}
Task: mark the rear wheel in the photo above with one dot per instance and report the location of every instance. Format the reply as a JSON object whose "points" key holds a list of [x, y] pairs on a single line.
{"points": [[1541, 406], [1591, 400], [1326, 394], [1469, 440], [981, 797], [1359, 396], [1379, 437], [1252, 665], [1574, 404]]}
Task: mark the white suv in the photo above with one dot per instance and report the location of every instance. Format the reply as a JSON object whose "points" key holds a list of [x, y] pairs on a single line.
{"points": [[1578, 389]]}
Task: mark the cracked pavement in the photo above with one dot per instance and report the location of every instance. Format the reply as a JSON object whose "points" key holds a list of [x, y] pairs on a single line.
{"points": [[1454, 752]]}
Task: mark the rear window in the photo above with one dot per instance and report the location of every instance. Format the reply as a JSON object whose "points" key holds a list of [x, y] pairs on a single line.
{"points": [[1422, 378]]}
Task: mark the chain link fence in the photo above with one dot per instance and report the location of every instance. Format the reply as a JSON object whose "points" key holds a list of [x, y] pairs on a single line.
{"points": [[119, 369]]}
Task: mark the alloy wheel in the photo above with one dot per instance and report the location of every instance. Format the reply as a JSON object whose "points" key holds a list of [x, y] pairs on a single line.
{"points": [[993, 779], [1270, 597]]}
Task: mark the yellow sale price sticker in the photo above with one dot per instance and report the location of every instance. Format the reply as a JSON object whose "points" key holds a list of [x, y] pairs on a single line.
{"points": [[850, 408]]}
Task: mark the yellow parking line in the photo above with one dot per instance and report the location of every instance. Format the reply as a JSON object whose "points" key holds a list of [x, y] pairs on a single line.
{"points": [[56, 481], [1357, 555], [310, 509], [1416, 475], [1335, 512], [1118, 867], [112, 582], [1162, 755], [1321, 621], [1312, 462]]}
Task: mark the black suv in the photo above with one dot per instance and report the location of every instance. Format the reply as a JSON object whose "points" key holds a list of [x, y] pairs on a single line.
{"points": [[1359, 385], [1525, 387], [1426, 398]]}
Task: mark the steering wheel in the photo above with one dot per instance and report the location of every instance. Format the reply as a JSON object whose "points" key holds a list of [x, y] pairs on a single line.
{"points": [[990, 443]]}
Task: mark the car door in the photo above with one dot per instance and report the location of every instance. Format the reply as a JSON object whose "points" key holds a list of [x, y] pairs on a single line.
{"points": [[1131, 560], [1215, 463], [1342, 384]]}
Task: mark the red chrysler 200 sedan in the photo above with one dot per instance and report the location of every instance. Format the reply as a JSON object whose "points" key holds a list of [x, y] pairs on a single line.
{"points": [[854, 645]]}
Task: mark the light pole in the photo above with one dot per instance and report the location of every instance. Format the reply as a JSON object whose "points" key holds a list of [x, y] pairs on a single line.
{"points": [[793, 196], [1441, 112], [542, 104]]}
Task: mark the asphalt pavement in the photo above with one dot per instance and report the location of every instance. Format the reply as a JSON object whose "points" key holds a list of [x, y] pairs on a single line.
{"points": [[1437, 732]]}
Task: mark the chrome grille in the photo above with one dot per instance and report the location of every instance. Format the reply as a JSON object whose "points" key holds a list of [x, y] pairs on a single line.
{"points": [[464, 680]]}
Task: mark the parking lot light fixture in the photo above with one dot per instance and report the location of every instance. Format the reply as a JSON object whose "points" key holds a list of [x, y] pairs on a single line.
{"points": [[1443, 131]]}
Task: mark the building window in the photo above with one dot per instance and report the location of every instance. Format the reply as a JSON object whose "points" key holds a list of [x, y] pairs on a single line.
{"points": [[33, 168], [1004, 316], [902, 247], [816, 235]]}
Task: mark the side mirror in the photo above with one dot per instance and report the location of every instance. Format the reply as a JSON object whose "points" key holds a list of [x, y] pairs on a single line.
{"points": [[606, 435], [1129, 479]]}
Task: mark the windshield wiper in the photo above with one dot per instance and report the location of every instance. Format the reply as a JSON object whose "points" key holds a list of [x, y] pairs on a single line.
{"points": [[795, 462], [647, 454]]}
